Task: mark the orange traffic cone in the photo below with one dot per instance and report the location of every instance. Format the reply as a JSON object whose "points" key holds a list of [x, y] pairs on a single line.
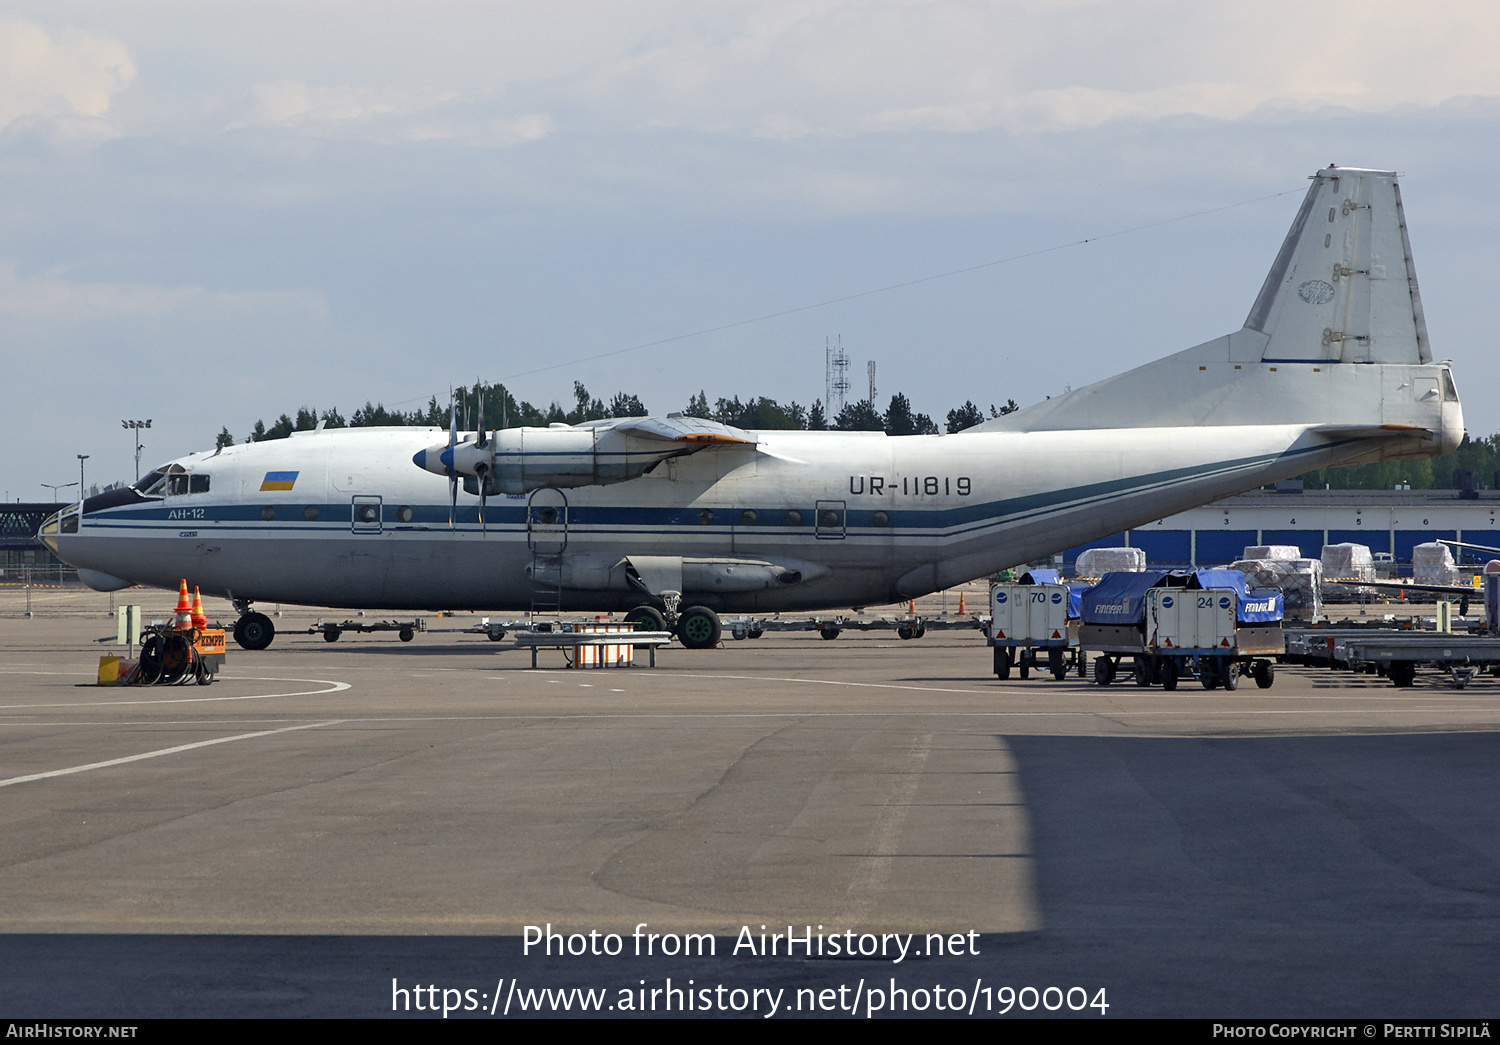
{"points": [[200, 619], [911, 608], [961, 609], [184, 608]]}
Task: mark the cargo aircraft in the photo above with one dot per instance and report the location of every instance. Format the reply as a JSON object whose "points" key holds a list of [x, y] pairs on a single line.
{"points": [[678, 519]]}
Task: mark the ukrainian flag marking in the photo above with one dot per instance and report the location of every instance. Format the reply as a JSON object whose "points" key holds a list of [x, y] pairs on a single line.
{"points": [[278, 481]]}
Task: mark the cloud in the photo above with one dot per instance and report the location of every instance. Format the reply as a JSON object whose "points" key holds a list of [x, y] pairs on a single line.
{"points": [[69, 82], [501, 75], [384, 115], [847, 67], [49, 297]]}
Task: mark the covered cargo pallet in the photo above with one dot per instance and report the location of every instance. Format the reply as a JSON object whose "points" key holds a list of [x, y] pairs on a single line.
{"points": [[1345, 568], [1096, 562], [1300, 582], [1272, 551], [1433, 564]]}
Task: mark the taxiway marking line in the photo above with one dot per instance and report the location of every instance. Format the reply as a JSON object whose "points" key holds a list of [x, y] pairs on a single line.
{"points": [[334, 687], [164, 751]]}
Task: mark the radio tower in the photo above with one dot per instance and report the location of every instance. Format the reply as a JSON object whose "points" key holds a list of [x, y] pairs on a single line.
{"points": [[836, 377]]}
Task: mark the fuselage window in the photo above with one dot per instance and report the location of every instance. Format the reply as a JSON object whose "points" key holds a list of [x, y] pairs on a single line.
{"points": [[197, 484]]}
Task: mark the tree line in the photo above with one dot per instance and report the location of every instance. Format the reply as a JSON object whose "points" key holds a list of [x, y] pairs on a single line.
{"points": [[499, 408], [1478, 456]]}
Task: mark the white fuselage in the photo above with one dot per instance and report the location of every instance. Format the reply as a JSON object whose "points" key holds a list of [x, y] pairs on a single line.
{"points": [[801, 520]]}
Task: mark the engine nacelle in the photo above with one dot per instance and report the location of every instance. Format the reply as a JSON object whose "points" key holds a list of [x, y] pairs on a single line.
{"points": [[520, 460]]}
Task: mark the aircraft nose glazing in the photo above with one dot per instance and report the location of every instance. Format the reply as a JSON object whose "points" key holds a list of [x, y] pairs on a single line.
{"points": [[48, 531]]}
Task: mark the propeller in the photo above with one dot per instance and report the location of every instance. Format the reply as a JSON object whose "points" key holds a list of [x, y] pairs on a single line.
{"points": [[448, 460], [482, 469]]}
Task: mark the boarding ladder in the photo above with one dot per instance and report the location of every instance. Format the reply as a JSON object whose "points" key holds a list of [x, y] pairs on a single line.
{"points": [[546, 587]]}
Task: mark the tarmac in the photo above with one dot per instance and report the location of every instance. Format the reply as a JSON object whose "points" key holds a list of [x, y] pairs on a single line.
{"points": [[332, 824]]}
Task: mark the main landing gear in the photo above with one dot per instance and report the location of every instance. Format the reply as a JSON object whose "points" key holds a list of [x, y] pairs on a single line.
{"points": [[253, 631], [697, 627]]}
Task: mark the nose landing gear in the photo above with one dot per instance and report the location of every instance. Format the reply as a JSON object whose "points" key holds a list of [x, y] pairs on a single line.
{"points": [[253, 631]]}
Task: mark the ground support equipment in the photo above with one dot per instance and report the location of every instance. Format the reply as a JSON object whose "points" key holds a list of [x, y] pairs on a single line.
{"points": [[406, 630]]}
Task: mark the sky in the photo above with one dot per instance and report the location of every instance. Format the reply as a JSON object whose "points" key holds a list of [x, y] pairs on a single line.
{"points": [[213, 213]]}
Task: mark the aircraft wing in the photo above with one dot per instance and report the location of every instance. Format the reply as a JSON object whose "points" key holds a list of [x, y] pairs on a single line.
{"points": [[1462, 590], [681, 429], [1465, 544]]}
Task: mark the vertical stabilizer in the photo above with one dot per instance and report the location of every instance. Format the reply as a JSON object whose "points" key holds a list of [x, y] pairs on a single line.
{"points": [[1335, 337], [1343, 288]]}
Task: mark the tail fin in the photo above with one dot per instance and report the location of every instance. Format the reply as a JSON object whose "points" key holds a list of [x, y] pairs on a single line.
{"points": [[1341, 296], [1343, 288]]}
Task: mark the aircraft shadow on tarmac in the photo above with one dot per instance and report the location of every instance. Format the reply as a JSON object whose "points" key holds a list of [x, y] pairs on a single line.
{"points": [[1286, 876]]}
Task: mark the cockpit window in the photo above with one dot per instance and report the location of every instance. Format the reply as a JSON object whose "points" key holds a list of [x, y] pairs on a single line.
{"points": [[1450, 394], [188, 483], [153, 485]]}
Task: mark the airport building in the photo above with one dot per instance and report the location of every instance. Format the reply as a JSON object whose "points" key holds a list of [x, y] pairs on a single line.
{"points": [[1390, 521], [18, 544]]}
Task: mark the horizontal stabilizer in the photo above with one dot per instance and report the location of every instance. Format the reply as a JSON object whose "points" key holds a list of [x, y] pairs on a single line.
{"points": [[1370, 431]]}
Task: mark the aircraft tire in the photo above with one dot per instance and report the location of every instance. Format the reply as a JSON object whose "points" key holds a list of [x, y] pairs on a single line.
{"points": [[254, 631], [698, 627], [646, 618]]}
